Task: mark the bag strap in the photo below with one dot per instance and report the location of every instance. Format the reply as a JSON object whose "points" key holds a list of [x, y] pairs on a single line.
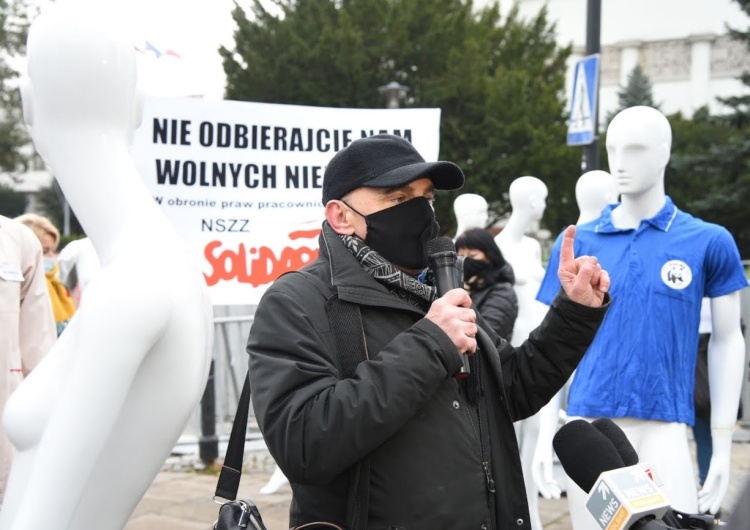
{"points": [[229, 478], [345, 319], [348, 330]]}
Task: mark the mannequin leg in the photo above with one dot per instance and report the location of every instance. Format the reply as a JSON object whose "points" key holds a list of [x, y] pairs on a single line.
{"points": [[277, 481], [665, 446], [703, 447], [527, 433]]}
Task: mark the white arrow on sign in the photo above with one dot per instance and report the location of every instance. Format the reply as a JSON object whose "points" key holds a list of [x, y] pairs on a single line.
{"points": [[580, 119]]}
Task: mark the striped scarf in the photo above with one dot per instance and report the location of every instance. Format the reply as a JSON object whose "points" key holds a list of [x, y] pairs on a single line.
{"points": [[384, 272]]}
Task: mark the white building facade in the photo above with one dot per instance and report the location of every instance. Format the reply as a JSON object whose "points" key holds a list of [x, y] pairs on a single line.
{"points": [[681, 45]]}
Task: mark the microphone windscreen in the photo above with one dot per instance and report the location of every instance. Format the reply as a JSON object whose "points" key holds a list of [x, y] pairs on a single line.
{"points": [[585, 453], [612, 431], [440, 244]]}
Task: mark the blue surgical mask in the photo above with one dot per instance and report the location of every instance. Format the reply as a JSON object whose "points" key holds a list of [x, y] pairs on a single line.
{"points": [[49, 264]]}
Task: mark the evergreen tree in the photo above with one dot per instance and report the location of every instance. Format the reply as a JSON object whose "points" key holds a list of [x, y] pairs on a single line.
{"points": [[498, 82], [12, 202], [740, 105], [14, 23], [637, 91], [725, 166]]}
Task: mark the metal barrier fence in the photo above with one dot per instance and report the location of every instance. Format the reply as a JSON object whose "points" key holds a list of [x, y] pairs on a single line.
{"points": [[231, 328], [211, 422]]}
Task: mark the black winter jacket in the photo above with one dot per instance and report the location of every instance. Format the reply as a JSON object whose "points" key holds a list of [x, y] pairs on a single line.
{"points": [[498, 305], [436, 462]]}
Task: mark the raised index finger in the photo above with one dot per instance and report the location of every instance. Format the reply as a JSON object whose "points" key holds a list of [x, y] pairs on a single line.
{"points": [[566, 249]]}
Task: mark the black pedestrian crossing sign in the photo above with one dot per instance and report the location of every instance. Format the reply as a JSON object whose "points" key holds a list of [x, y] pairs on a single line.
{"points": [[583, 101]]}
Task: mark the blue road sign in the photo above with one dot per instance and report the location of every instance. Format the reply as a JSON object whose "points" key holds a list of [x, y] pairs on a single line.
{"points": [[584, 101]]}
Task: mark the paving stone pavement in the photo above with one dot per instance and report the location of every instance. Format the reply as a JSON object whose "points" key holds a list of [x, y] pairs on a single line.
{"points": [[180, 498]]}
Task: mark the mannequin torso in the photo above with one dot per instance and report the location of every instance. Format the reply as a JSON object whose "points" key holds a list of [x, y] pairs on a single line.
{"points": [[528, 200], [96, 421], [528, 195]]}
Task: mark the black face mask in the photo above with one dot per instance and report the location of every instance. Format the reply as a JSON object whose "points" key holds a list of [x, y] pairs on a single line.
{"points": [[474, 267], [400, 233]]}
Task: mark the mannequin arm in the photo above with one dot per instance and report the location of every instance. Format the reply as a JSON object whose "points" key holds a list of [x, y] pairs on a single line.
{"points": [[726, 359], [542, 466], [115, 331]]}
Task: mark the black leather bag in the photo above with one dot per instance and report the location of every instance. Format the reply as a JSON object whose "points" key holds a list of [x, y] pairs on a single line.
{"points": [[236, 514]]}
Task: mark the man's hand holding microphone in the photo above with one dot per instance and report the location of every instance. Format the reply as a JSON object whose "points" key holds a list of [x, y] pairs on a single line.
{"points": [[582, 279]]}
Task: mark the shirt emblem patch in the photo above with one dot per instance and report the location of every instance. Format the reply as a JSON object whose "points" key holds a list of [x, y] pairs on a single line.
{"points": [[676, 274]]}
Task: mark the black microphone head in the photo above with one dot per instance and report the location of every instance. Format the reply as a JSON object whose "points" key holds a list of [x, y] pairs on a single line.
{"points": [[612, 431], [440, 244], [585, 453]]}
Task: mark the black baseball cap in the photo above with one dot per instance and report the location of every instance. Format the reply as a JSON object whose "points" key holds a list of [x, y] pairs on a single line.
{"points": [[384, 161]]}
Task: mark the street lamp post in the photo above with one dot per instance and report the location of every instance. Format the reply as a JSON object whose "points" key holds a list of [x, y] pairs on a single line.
{"points": [[593, 45], [395, 92]]}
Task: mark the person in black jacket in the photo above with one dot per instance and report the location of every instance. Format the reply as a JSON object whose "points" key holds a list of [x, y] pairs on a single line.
{"points": [[489, 280], [395, 441]]}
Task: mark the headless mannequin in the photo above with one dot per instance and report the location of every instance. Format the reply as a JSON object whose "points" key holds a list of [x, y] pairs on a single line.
{"points": [[94, 423], [527, 199], [471, 211], [594, 190], [638, 145]]}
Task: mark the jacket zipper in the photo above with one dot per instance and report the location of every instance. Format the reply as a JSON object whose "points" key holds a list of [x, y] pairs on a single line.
{"points": [[485, 463]]}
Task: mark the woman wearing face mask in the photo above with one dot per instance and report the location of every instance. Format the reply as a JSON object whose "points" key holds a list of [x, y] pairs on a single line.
{"points": [[489, 279], [63, 305]]}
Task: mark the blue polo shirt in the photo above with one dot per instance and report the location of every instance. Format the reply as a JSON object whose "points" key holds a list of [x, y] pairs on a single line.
{"points": [[642, 361]]}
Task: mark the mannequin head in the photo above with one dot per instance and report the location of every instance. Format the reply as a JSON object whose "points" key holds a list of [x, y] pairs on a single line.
{"points": [[639, 140], [471, 211], [81, 79], [528, 196], [594, 190]]}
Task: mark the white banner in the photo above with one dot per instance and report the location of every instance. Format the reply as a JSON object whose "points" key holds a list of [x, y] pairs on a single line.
{"points": [[242, 182]]}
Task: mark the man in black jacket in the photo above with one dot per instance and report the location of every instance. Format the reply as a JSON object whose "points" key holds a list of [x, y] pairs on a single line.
{"points": [[397, 442]]}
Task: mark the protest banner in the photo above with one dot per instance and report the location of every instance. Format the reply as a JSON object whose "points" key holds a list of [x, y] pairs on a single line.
{"points": [[242, 181]]}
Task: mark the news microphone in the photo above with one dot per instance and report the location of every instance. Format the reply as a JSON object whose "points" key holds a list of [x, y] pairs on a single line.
{"points": [[629, 456], [618, 438], [625, 449], [442, 256], [620, 497]]}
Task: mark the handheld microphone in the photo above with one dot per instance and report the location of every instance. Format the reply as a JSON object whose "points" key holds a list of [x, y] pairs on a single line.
{"points": [[442, 257], [620, 496]]}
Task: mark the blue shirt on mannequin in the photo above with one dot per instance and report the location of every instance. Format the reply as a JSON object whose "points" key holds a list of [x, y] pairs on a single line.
{"points": [[642, 362]]}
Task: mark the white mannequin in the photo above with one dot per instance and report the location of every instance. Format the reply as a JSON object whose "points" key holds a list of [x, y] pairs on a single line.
{"points": [[638, 145], [594, 190], [528, 200], [94, 423], [471, 211], [79, 256]]}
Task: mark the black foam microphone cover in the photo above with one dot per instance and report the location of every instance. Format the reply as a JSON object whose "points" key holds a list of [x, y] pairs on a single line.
{"points": [[585, 453], [442, 256], [612, 431]]}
